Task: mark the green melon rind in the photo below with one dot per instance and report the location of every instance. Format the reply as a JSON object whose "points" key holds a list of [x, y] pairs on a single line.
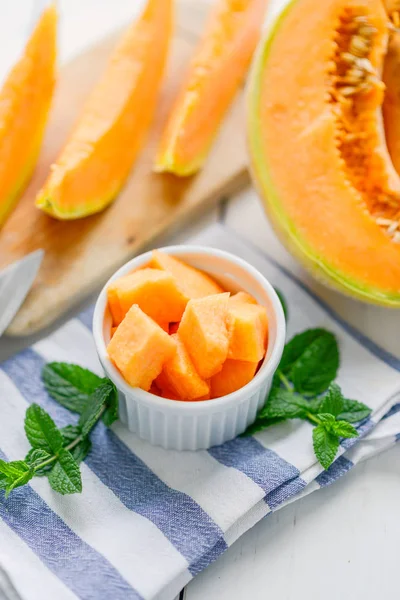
{"points": [[286, 228]]}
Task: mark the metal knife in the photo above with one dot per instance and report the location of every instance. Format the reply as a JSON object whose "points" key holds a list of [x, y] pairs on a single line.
{"points": [[15, 282]]}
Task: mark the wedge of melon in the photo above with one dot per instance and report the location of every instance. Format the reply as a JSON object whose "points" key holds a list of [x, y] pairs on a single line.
{"points": [[139, 348], [234, 375], [155, 292], [180, 376], [391, 79], [248, 326], [193, 283], [25, 99], [317, 146], [204, 331], [97, 158], [215, 74]]}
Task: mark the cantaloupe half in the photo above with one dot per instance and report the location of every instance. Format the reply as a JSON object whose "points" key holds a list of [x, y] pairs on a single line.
{"points": [[317, 145], [25, 100], [110, 132], [218, 68]]}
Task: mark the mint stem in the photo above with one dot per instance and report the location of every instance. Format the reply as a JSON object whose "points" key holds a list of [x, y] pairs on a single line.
{"points": [[313, 418], [70, 446], [285, 381]]}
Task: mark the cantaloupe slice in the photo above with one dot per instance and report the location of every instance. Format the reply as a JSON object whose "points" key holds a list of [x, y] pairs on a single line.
{"points": [[25, 100], [180, 376], [155, 291], [215, 74], [193, 282], [140, 348], [242, 297], [97, 158], [248, 331], [204, 331], [233, 376]]}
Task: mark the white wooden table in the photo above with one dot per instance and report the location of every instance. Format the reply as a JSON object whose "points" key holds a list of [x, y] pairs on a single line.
{"points": [[338, 543]]}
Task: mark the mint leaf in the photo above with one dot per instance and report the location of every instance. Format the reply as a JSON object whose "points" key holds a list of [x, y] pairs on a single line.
{"points": [[41, 430], [111, 413], [317, 367], [353, 411], [96, 405], [35, 457], [332, 403], [311, 360], [13, 468], [326, 445], [81, 451], [326, 418], [295, 347], [70, 384], [283, 302], [14, 474], [70, 433], [65, 477], [283, 404], [344, 429]]}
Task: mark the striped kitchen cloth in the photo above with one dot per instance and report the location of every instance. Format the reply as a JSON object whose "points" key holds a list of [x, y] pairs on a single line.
{"points": [[148, 520]]}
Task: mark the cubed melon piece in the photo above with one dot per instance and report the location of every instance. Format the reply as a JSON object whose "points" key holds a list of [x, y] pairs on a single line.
{"points": [[193, 283], [248, 331], [241, 297], [112, 331], [233, 376], [155, 292], [173, 328], [180, 376], [140, 348], [204, 331]]}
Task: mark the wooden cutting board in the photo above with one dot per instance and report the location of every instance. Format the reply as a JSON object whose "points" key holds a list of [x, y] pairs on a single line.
{"points": [[81, 255]]}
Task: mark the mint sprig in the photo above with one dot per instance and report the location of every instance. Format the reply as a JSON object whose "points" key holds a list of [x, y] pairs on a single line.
{"points": [[56, 453], [304, 388]]}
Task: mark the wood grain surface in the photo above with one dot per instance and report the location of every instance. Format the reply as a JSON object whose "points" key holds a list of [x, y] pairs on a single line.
{"points": [[80, 255]]}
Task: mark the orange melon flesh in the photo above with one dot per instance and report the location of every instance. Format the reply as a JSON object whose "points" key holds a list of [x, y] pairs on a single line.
{"points": [[217, 70], [180, 376], [173, 328], [25, 100], [233, 376], [319, 213], [248, 332], [193, 282], [140, 348], [96, 160], [391, 104], [242, 297], [204, 331], [156, 292], [113, 330]]}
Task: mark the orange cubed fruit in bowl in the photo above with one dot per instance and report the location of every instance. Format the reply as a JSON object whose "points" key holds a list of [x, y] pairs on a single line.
{"points": [[193, 283], [180, 376], [241, 297], [248, 331], [233, 376], [204, 331], [155, 291], [173, 328], [140, 348], [112, 331]]}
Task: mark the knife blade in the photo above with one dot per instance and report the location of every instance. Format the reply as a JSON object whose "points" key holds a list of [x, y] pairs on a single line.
{"points": [[15, 282]]}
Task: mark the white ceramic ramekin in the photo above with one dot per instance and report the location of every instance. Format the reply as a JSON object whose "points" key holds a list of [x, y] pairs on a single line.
{"points": [[197, 425]]}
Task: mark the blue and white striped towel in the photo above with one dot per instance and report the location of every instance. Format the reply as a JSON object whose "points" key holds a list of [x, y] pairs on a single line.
{"points": [[149, 520]]}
